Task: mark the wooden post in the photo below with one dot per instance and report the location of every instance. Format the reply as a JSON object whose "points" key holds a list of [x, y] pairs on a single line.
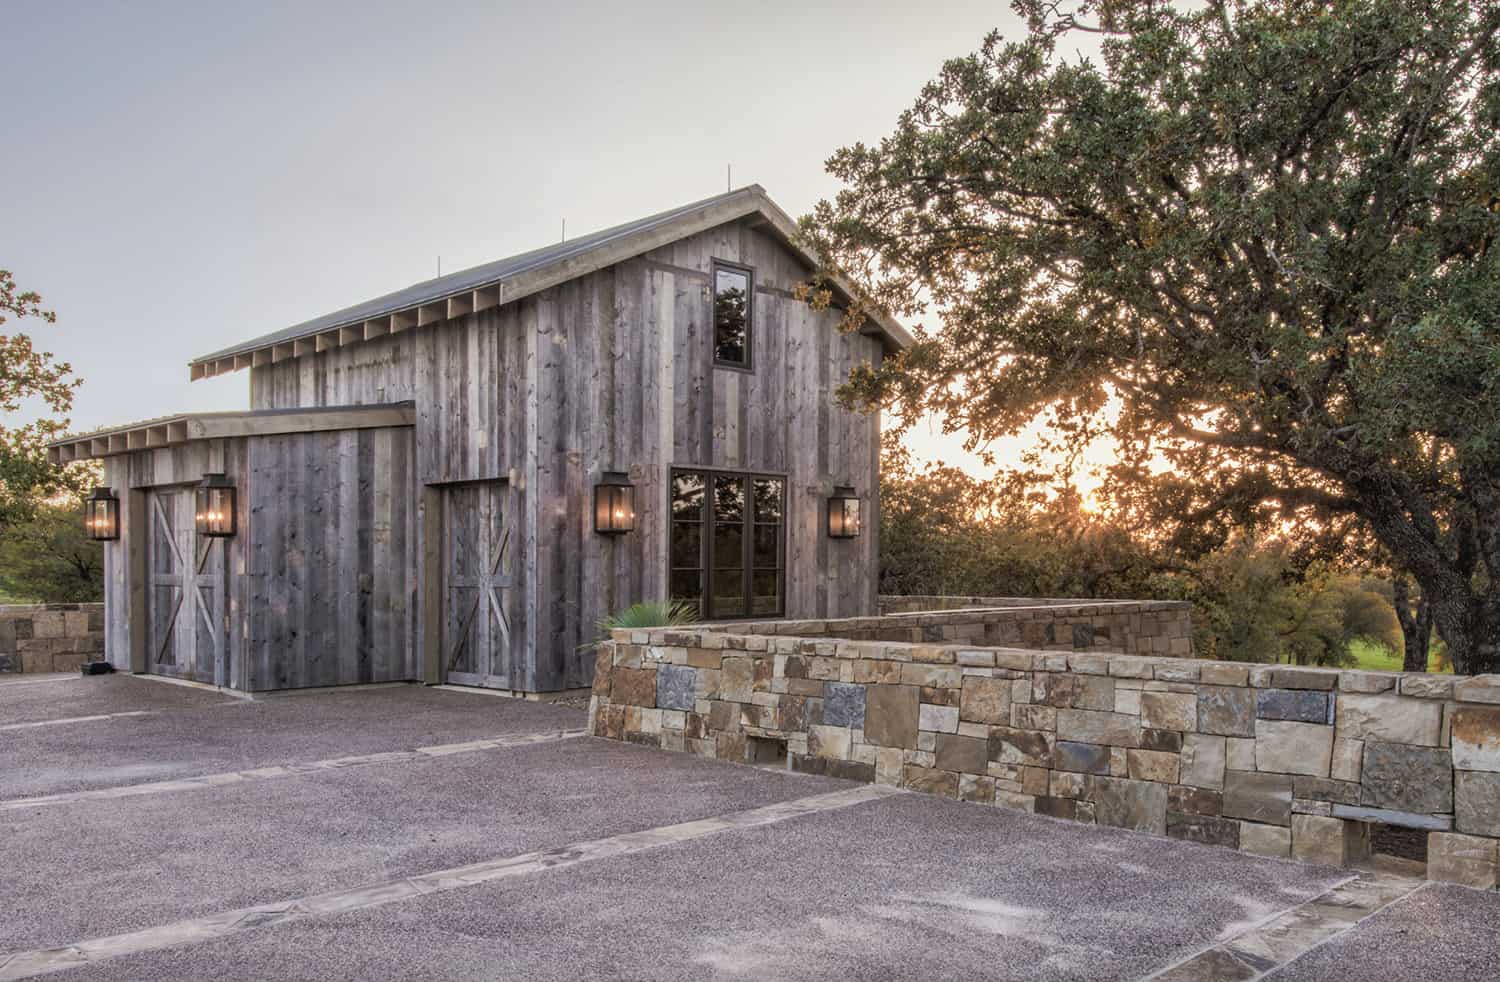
{"points": [[137, 536], [431, 586]]}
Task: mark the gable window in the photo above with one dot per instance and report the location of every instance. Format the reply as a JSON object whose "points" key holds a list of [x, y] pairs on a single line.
{"points": [[727, 548], [734, 288]]}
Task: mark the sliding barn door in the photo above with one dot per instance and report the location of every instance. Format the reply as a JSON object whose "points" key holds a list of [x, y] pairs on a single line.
{"points": [[185, 602], [479, 551]]}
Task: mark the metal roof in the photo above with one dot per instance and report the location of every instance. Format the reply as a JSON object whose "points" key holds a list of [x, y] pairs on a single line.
{"points": [[485, 286]]}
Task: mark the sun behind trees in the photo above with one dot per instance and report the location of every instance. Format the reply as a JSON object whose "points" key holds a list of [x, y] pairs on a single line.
{"points": [[1264, 229]]}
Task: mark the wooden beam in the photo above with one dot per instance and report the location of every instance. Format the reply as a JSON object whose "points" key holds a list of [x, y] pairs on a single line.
{"points": [[302, 346], [243, 361], [157, 436], [327, 340], [281, 352], [484, 298], [403, 320], [431, 313], [350, 335], [261, 356], [379, 327], [460, 305], [137, 534], [431, 566], [228, 425], [197, 371], [135, 439], [177, 431], [119, 442]]}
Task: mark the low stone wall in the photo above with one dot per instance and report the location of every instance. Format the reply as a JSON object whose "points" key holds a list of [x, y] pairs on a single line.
{"points": [[1142, 627], [1272, 760], [50, 637], [894, 603]]}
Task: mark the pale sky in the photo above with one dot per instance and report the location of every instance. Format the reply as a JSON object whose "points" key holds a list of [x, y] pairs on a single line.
{"points": [[179, 177]]}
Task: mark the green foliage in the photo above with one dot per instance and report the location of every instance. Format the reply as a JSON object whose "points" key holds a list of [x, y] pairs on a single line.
{"points": [[674, 613], [26, 374], [942, 532], [47, 558], [1251, 242]]}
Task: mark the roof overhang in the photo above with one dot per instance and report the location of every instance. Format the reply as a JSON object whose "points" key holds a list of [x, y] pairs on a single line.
{"points": [[459, 294], [169, 431]]}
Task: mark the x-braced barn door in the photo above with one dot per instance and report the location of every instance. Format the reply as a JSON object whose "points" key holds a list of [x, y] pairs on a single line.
{"points": [[185, 604], [478, 584]]}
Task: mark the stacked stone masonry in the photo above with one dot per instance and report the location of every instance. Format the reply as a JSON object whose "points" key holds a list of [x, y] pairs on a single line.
{"points": [[1129, 626], [1269, 759], [50, 637]]}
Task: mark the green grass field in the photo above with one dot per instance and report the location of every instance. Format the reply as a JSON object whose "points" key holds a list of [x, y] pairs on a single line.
{"points": [[1374, 657]]}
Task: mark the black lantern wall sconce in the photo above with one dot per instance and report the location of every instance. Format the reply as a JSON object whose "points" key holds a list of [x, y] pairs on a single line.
{"points": [[101, 515], [843, 513], [614, 504], [213, 507]]}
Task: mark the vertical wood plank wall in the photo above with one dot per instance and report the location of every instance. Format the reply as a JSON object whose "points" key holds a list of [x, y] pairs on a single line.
{"points": [[331, 583], [614, 371]]}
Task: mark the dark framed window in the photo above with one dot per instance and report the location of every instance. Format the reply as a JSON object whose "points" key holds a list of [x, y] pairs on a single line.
{"points": [[727, 543], [734, 294]]}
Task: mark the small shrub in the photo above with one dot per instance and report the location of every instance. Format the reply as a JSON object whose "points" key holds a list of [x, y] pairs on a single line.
{"points": [[672, 613]]}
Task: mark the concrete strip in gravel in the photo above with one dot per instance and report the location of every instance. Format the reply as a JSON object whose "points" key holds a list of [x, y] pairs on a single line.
{"points": [[192, 733], [1437, 934], [64, 696], [288, 770], [163, 858], [910, 886], [29, 963]]}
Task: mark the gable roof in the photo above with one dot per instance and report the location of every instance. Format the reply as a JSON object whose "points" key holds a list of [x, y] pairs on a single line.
{"points": [[510, 279]]}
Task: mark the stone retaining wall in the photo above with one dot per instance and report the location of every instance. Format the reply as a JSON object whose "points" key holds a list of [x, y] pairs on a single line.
{"points": [[1143, 627], [50, 637], [893, 603], [1268, 759]]}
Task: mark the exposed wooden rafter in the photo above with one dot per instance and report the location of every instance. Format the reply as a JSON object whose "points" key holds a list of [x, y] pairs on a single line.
{"points": [[170, 431]]}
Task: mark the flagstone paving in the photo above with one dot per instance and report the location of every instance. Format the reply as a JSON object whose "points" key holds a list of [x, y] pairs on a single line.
{"points": [[417, 833]]}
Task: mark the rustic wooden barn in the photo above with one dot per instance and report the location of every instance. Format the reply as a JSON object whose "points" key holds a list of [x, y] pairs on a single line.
{"points": [[416, 477]]}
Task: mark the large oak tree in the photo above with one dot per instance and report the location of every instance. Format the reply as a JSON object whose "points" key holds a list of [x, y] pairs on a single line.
{"points": [[1252, 240]]}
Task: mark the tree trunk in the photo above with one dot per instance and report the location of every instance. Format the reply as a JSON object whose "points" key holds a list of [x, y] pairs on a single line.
{"points": [[1416, 626], [1470, 626]]}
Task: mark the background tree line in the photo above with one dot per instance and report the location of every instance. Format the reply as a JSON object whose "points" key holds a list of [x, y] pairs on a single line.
{"points": [[44, 555], [1256, 596], [1249, 242]]}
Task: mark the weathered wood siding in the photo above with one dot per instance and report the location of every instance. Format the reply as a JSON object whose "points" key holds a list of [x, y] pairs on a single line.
{"points": [[379, 371], [321, 577], [331, 582], [132, 476], [626, 381], [614, 371]]}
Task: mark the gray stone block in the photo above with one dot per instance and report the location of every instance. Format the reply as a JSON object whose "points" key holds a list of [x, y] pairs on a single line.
{"points": [[1387, 816], [1127, 804], [1406, 778], [1265, 798], [1226, 710], [1477, 802], [1204, 828], [1300, 705], [1080, 758], [676, 686], [844, 704]]}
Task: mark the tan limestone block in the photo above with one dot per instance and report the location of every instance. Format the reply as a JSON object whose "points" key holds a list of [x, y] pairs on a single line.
{"points": [[1471, 860], [1274, 841], [1152, 765]]}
